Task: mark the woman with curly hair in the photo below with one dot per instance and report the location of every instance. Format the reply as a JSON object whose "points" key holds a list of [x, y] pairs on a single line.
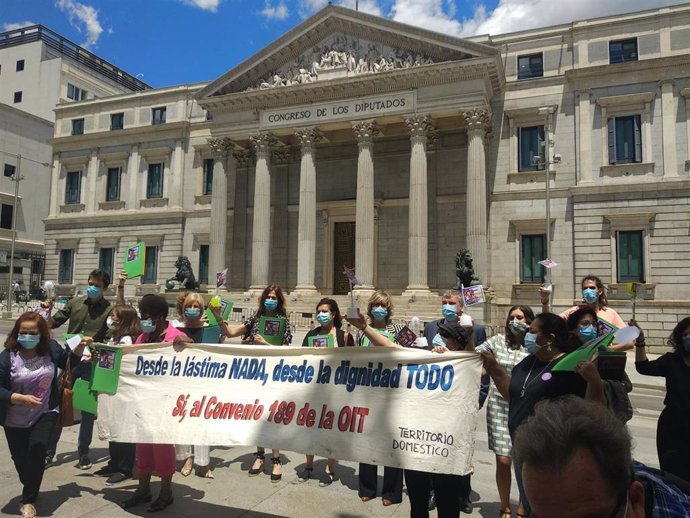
{"points": [[673, 428]]}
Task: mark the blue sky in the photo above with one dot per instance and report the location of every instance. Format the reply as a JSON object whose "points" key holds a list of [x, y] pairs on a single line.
{"points": [[188, 41]]}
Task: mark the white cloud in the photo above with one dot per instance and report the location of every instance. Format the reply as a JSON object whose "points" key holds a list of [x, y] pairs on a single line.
{"points": [[309, 7], [85, 15], [16, 25], [277, 12], [206, 5], [517, 15], [429, 14]]}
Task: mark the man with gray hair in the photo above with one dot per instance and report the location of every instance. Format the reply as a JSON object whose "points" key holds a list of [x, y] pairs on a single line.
{"points": [[576, 462]]}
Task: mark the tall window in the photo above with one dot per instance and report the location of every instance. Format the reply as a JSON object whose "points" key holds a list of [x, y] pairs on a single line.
{"points": [[9, 170], [158, 115], [17, 97], [203, 264], [72, 187], [154, 181], [623, 50], [106, 260], [77, 126], [530, 145], [75, 93], [532, 250], [117, 121], [208, 176], [65, 266], [530, 66], [625, 139], [150, 266], [112, 189], [20, 65], [630, 255], [6, 216]]}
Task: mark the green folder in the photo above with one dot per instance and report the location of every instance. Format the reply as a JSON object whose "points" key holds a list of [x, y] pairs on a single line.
{"points": [[272, 329], [203, 335], [83, 398], [225, 310], [134, 260], [367, 343], [321, 341], [211, 318], [584, 353], [106, 369]]}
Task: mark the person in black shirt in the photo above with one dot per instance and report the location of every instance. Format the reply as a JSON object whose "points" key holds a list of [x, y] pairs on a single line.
{"points": [[673, 429], [532, 381]]}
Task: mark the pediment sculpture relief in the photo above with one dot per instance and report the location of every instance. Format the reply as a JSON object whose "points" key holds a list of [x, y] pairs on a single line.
{"points": [[341, 56]]}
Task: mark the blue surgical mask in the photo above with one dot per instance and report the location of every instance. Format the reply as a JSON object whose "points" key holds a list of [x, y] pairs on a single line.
{"points": [[516, 327], [147, 326], [686, 344], [439, 341], [192, 312], [94, 292], [379, 312], [111, 323], [271, 304], [590, 295], [588, 333], [531, 343], [449, 311], [28, 341], [324, 317]]}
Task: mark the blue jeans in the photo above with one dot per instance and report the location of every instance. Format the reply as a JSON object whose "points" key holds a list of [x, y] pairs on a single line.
{"points": [[85, 433]]}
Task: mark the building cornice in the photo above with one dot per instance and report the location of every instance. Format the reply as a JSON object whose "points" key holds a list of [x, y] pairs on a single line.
{"points": [[169, 130], [124, 218], [662, 68], [602, 188]]}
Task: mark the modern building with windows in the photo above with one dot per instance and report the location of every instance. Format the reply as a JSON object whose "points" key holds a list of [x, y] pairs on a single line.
{"points": [[40, 69], [356, 140]]}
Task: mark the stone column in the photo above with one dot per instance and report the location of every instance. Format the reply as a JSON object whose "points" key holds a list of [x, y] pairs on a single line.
{"points": [[420, 127], [176, 174], [365, 131], [91, 192], [477, 122], [668, 128], [585, 137], [261, 227], [133, 178], [55, 182], [218, 227], [306, 230]]}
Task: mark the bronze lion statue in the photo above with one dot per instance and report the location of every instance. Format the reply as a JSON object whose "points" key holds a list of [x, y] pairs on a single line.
{"points": [[184, 275]]}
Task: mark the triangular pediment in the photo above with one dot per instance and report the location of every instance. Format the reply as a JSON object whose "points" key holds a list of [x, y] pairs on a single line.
{"points": [[337, 42]]}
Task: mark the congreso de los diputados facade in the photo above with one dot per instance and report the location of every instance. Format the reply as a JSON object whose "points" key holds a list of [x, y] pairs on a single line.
{"points": [[356, 140]]}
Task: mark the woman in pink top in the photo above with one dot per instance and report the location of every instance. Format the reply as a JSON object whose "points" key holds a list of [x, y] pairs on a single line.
{"points": [[593, 294], [160, 458]]}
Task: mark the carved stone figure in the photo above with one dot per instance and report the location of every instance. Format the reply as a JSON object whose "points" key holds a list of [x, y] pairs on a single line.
{"points": [[464, 270], [184, 276]]}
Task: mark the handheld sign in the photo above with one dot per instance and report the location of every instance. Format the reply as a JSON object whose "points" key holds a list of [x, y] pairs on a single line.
{"points": [[584, 353], [134, 260], [405, 337], [106, 369], [203, 335], [272, 329], [321, 341], [83, 398], [627, 334]]}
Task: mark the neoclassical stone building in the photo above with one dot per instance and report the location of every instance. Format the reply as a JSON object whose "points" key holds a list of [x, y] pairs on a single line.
{"points": [[356, 140]]}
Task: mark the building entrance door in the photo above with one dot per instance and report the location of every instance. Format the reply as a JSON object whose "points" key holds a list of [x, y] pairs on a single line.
{"points": [[343, 255]]}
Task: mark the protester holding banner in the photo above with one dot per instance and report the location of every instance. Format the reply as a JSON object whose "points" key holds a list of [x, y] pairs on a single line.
{"points": [[380, 311], [508, 348], [160, 458], [123, 322], [330, 332], [532, 380], [190, 308], [29, 399], [272, 306], [673, 429]]}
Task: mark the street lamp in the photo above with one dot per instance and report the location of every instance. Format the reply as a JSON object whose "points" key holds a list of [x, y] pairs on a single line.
{"points": [[15, 177], [544, 161]]}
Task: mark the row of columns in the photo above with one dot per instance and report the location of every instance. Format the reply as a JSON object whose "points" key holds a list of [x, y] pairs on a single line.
{"points": [[421, 130]]}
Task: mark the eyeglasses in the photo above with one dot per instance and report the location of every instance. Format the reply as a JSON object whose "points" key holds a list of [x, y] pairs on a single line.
{"points": [[586, 322]]}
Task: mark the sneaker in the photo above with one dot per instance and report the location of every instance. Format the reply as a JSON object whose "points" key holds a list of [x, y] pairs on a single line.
{"points": [[116, 478], [105, 471], [84, 462], [304, 475]]}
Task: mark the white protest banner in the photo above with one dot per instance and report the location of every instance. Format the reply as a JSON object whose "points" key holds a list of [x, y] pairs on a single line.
{"points": [[394, 407]]}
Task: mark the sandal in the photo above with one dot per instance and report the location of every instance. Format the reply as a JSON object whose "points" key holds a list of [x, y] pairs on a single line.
{"points": [[187, 467], [305, 474], [387, 502], [160, 503], [204, 472], [506, 514], [28, 511], [260, 458], [327, 479], [275, 477], [136, 499]]}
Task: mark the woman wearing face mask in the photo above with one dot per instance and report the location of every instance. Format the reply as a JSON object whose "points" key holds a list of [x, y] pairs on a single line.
{"points": [[673, 429], [123, 323], [532, 381], [155, 457], [380, 312], [509, 350], [330, 323], [29, 399], [582, 325], [271, 304]]}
